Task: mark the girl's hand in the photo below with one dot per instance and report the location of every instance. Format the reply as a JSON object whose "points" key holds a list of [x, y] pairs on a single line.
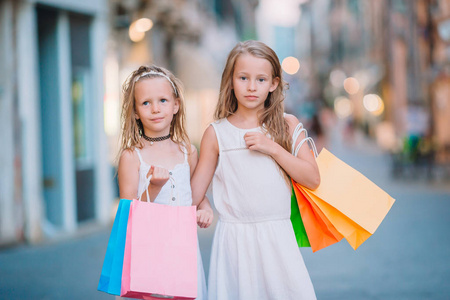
{"points": [[204, 217], [259, 142], [159, 176]]}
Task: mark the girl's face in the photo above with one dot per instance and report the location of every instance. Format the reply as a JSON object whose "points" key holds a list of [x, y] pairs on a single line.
{"points": [[252, 81], [155, 105]]}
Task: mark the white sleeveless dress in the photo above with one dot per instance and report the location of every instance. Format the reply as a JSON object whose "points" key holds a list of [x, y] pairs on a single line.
{"points": [[176, 192], [254, 252]]}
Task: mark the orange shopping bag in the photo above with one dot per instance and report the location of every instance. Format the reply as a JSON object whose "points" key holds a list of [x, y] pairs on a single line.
{"points": [[353, 233], [350, 201], [321, 233]]}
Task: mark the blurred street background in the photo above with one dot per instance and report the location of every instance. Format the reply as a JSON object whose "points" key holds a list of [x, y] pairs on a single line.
{"points": [[369, 79]]}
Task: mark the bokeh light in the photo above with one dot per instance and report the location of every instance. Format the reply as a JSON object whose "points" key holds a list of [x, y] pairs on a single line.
{"points": [[143, 24], [290, 65], [373, 104], [343, 107], [351, 85], [135, 36], [138, 28]]}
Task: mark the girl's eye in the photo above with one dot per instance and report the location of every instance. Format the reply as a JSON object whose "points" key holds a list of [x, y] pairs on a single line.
{"points": [[145, 103], [163, 100], [243, 78], [261, 79]]}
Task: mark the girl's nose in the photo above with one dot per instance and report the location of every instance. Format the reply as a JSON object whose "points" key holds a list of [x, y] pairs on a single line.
{"points": [[155, 108], [251, 85]]}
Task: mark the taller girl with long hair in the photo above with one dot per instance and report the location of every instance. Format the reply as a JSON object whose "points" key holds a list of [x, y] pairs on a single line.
{"points": [[246, 153]]}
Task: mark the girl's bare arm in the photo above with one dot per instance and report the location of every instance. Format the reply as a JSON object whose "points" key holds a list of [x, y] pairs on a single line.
{"points": [[128, 175], [209, 154], [205, 213]]}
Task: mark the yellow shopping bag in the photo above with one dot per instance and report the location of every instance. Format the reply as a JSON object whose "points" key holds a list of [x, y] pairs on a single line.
{"points": [[351, 202]]}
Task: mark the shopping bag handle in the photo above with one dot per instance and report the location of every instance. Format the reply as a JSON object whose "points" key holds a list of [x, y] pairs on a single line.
{"points": [[297, 131], [147, 183]]}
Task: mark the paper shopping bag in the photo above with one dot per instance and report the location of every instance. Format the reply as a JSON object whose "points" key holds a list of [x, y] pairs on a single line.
{"points": [[343, 190], [160, 252], [353, 233], [297, 223], [111, 275], [321, 233]]}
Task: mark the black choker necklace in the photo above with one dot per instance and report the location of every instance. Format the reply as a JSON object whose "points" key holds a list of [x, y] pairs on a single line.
{"points": [[156, 139]]}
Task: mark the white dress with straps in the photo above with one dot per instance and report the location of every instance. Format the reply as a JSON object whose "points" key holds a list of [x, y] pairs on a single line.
{"points": [[177, 192], [254, 252]]}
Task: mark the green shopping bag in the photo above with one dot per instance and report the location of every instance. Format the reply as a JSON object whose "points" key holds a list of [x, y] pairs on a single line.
{"points": [[297, 223]]}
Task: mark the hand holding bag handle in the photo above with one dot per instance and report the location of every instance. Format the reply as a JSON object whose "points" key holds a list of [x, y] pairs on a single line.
{"points": [[147, 184]]}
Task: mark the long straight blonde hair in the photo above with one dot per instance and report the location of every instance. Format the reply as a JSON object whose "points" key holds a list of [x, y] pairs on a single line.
{"points": [[272, 115], [132, 129]]}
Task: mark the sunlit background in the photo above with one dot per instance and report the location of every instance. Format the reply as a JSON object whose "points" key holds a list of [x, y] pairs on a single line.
{"points": [[377, 71], [377, 67]]}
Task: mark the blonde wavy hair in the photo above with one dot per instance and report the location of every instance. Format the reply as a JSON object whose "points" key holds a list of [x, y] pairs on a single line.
{"points": [[132, 129], [272, 115]]}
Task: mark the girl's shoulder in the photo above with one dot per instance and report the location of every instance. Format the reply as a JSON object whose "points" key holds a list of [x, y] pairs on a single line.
{"points": [[210, 131], [128, 161], [291, 119], [129, 155], [292, 122]]}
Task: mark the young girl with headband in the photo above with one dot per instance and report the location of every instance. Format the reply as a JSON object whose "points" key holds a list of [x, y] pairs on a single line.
{"points": [[156, 154], [247, 155]]}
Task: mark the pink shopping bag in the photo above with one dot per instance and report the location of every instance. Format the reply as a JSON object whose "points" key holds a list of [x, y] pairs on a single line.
{"points": [[160, 258]]}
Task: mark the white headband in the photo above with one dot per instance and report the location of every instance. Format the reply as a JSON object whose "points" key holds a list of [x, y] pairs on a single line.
{"points": [[158, 74]]}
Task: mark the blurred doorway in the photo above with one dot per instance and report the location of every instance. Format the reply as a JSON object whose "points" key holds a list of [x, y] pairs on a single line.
{"points": [[83, 130], [67, 133], [49, 88]]}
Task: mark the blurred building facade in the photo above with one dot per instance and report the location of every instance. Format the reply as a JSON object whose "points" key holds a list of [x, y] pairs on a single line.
{"points": [[398, 50], [383, 66], [55, 176]]}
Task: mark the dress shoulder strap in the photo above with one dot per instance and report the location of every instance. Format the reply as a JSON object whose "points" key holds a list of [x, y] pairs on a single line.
{"points": [[185, 151], [139, 154]]}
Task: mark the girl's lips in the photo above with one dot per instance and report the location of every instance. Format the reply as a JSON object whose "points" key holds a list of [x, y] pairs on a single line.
{"points": [[156, 120], [251, 97]]}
